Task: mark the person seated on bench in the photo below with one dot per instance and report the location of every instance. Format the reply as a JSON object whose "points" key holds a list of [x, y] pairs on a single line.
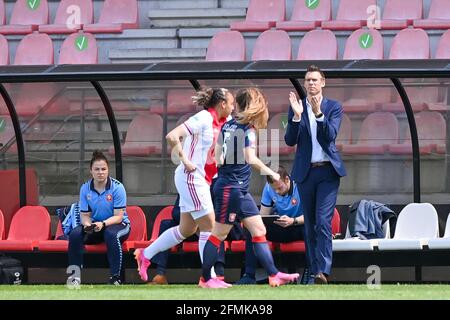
{"points": [[103, 203], [280, 198]]}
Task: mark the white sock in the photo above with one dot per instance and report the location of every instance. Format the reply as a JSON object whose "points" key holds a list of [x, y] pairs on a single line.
{"points": [[203, 237], [165, 241]]}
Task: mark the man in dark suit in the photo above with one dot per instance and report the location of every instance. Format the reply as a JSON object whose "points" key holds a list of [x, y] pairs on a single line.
{"points": [[313, 126]]}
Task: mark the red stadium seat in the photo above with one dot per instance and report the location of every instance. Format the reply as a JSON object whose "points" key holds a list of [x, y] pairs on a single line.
{"points": [[4, 51], [29, 225], [438, 17], [372, 140], [79, 48], [308, 49], [2, 226], [364, 44], [432, 133], [26, 17], [277, 122], [399, 14], [26, 53], [226, 46], [2, 13], [345, 132], [261, 15], [305, 18], [144, 136], [239, 246], [164, 214], [443, 48], [54, 245], [192, 246], [272, 45], [9, 200], [421, 98], [179, 101], [410, 44], [116, 15], [66, 10], [351, 15], [299, 246]]}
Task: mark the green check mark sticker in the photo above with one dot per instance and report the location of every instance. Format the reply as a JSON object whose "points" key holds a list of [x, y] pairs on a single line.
{"points": [[33, 4], [283, 121], [312, 4], [81, 43], [365, 41], [2, 125]]}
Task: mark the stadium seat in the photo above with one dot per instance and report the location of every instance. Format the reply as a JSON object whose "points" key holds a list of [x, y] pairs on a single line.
{"points": [[416, 223], [356, 244], [2, 13], [444, 242], [67, 12], [4, 51], [26, 17], [261, 15], [79, 48], [26, 53], [138, 232], [432, 132], [351, 15], [144, 136], [438, 17], [179, 101], [364, 44], [29, 225], [116, 15], [239, 245], [371, 139], [54, 245], [399, 14], [277, 122], [306, 16], [272, 45], [226, 46], [410, 44], [308, 49], [443, 47], [2, 226], [299, 246], [345, 133], [421, 98], [164, 214]]}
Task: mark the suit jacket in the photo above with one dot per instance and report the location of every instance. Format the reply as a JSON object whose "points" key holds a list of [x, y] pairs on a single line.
{"points": [[299, 133]]}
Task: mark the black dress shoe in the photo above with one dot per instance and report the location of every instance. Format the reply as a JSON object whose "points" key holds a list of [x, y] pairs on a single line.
{"points": [[320, 278]]}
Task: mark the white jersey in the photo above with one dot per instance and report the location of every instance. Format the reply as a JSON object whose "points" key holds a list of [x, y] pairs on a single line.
{"points": [[197, 144]]}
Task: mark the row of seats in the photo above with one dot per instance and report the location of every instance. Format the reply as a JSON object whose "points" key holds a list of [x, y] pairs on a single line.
{"points": [[362, 44], [30, 231], [431, 128], [78, 48], [351, 15], [71, 16], [417, 226]]}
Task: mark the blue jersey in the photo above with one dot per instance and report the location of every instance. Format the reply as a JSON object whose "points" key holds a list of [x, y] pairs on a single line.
{"points": [[288, 205], [102, 205], [233, 138]]}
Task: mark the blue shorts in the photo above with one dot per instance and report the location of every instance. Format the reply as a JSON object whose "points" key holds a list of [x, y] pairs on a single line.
{"points": [[230, 203]]}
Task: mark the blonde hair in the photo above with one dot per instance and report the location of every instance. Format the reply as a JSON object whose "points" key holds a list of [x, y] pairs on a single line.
{"points": [[210, 97], [252, 106]]}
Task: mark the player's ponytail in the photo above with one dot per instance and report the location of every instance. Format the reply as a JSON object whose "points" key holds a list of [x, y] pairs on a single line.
{"points": [[252, 106], [210, 97]]}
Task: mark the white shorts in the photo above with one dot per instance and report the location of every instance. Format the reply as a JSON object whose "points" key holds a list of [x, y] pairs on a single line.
{"points": [[195, 196]]}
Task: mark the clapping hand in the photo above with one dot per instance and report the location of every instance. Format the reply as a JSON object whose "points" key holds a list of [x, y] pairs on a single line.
{"points": [[297, 105]]}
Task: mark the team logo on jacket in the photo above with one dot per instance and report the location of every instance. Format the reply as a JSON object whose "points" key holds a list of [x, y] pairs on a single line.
{"points": [[294, 201], [109, 197], [232, 217]]}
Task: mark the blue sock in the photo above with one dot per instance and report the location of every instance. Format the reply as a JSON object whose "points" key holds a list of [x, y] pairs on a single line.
{"points": [[219, 266], [264, 255], [210, 254], [250, 257]]}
